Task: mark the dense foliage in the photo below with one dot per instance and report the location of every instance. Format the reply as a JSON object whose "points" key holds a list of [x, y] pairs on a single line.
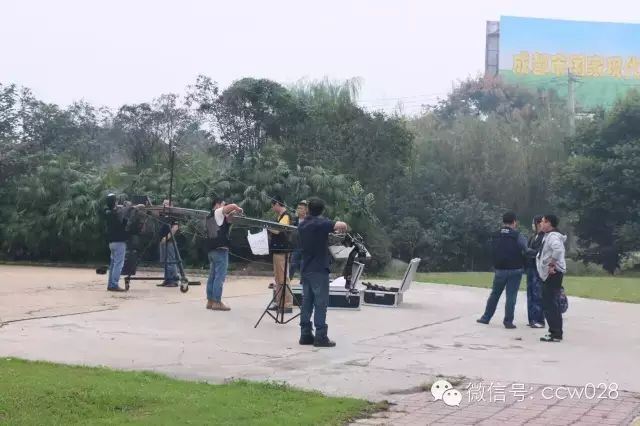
{"points": [[433, 186]]}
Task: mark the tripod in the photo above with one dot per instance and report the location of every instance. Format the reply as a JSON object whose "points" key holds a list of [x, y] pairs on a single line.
{"points": [[280, 298]]}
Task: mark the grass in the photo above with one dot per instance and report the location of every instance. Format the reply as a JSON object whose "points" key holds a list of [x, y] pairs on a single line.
{"points": [[33, 393], [612, 288]]}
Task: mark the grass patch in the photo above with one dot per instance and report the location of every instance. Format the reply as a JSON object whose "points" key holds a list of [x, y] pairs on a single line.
{"points": [[34, 393], [612, 288]]}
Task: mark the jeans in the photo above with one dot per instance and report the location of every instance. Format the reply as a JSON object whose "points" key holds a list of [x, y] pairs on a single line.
{"points": [[218, 264], [118, 251], [171, 268], [534, 297], [315, 298], [509, 279], [550, 291], [295, 263]]}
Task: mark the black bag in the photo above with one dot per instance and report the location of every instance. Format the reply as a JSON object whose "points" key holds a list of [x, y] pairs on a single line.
{"points": [[563, 301]]}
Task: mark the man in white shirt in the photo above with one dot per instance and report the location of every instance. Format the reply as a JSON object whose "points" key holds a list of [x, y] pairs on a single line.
{"points": [[218, 243]]}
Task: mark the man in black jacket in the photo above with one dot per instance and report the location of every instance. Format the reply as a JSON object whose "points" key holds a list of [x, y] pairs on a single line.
{"points": [[534, 283], [509, 250]]}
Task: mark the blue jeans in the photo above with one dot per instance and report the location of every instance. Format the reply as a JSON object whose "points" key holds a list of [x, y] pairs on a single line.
{"points": [[295, 262], [218, 264], [118, 251], [534, 297], [509, 279], [171, 268], [315, 298]]}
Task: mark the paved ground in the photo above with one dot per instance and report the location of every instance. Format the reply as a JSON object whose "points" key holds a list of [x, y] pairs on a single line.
{"points": [[65, 315]]}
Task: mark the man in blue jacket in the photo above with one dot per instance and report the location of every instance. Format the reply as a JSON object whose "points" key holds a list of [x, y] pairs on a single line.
{"points": [[313, 233], [509, 250]]}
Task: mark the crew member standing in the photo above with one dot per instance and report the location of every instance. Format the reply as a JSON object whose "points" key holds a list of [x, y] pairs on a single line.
{"points": [[552, 266], [218, 243], [509, 250], [117, 238], [313, 233], [534, 283], [280, 248]]}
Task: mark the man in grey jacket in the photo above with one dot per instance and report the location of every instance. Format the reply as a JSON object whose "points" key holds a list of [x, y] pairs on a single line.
{"points": [[551, 266]]}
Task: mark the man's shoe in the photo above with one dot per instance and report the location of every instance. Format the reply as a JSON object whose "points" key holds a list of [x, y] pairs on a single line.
{"points": [[272, 307], [162, 284], [219, 306], [482, 321], [116, 289], [550, 338], [307, 339], [271, 285], [536, 325], [172, 284], [324, 343], [509, 325], [210, 304]]}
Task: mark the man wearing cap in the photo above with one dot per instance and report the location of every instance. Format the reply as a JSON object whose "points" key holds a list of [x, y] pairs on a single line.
{"points": [[280, 248]]}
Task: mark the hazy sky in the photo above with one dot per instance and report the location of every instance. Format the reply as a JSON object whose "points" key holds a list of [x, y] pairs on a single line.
{"points": [[114, 52]]}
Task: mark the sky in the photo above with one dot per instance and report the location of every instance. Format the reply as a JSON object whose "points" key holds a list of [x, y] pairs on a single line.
{"points": [[127, 51]]}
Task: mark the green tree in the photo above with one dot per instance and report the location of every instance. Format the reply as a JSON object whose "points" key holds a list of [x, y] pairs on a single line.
{"points": [[599, 187]]}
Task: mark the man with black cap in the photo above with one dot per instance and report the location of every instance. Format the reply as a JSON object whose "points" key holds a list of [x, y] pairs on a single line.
{"points": [[509, 250], [280, 246]]}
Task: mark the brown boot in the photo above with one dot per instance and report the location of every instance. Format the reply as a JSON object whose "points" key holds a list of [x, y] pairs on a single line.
{"points": [[219, 306], [210, 303]]}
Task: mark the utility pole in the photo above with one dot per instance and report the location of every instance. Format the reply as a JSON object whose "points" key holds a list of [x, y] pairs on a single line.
{"points": [[571, 102]]}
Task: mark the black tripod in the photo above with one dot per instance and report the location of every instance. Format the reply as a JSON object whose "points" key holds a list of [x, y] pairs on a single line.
{"points": [[279, 299]]}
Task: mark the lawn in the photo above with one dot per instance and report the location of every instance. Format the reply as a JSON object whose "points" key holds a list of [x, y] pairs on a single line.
{"points": [[617, 289], [34, 393]]}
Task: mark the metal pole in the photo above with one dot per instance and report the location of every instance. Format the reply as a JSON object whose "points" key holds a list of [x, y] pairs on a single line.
{"points": [[171, 167]]}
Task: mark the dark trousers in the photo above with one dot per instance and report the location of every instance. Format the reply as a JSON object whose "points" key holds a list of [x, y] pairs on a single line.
{"points": [[315, 298], [534, 297], [509, 279], [550, 292]]}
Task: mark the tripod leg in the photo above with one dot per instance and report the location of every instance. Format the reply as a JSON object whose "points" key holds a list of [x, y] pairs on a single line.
{"points": [[266, 311]]}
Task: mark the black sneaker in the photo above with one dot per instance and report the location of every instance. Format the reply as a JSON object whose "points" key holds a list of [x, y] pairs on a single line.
{"points": [[509, 325], [482, 321], [120, 289], [324, 343], [307, 339], [550, 338]]}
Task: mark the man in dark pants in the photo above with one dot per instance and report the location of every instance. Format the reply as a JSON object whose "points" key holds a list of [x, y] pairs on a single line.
{"points": [[534, 283], [313, 234], [552, 266], [509, 249]]}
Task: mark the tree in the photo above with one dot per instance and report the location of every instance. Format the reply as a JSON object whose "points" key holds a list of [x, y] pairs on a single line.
{"points": [[599, 187]]}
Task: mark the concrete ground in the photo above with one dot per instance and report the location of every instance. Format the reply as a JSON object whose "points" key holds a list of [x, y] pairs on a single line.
{"points": [[65, 315]]}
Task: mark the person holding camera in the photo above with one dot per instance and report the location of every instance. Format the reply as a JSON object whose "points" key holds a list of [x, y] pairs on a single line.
{"points": [[313, 233]]}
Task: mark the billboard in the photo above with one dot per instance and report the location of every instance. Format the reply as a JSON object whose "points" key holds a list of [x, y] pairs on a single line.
{"points": [[603, 58]]}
